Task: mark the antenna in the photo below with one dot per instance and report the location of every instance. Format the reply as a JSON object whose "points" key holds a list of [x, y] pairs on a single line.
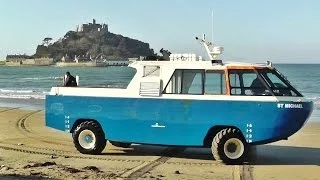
{"points": [[213, 51], [212, 25]]}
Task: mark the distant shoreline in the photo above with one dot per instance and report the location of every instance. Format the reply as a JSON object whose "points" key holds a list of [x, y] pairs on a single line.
{"points": [[67, 64]]}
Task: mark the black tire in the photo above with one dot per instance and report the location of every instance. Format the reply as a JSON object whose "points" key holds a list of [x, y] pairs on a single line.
{"points": [[229, 146], [120, 144], [89, 131]]}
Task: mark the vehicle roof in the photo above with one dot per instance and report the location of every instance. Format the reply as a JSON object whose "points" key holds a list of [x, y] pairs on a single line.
{"points": [[202, 64]]}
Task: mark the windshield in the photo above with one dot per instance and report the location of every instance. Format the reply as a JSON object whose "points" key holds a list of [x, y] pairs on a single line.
{"points": [[262, 82], [279, 85]]}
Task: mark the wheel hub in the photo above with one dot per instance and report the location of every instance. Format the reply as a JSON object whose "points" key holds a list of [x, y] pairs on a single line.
{"points": [[233, 148], [87, 139]]}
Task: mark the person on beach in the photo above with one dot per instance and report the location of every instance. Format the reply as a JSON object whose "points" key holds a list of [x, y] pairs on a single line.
{"points": [[70, 81]]}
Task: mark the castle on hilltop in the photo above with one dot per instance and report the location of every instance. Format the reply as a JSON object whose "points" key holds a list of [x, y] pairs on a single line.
{"points": [[92, 27]]}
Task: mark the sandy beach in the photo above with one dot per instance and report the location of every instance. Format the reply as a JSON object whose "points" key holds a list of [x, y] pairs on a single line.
{"points": [[29, 150]]}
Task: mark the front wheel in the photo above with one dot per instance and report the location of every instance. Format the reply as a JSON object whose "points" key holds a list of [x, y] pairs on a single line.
{"points": [[229, 146], [89, 138]]}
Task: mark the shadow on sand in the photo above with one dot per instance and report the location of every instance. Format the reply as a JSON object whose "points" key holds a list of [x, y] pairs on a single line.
{"points": [[22, 177], [285, 155], [174, 152], [262, 155]]}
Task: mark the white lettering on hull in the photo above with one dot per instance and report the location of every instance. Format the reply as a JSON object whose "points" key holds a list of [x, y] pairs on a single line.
{"points": [[249, 130], [289, 106]]}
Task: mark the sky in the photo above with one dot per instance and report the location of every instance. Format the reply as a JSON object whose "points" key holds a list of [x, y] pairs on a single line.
{"points": [[286, 31]]}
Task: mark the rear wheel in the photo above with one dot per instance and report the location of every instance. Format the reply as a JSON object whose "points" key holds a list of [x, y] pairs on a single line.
{"points": [[229, 146], [89, 138]]}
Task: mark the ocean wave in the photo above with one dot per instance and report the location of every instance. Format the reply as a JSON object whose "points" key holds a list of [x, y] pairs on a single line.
{"points": [[316, 102], [120, 86], [6, 90], [42, 78], [314, 99], [16, 96], [115, 86], [23, 93], [16, 91]]}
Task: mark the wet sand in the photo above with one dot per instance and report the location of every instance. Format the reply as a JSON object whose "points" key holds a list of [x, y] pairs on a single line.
{"points": [[28, 149]]}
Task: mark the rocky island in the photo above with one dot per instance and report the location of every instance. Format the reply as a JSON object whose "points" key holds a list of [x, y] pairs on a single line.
{"points": [[89, 44]]}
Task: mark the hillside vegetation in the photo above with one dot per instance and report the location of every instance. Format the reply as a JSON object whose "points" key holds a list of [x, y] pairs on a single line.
{"points": [[96, 44]]}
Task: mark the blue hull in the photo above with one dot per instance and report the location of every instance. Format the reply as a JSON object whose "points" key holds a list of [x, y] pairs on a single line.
{"points": [[176, 122]]}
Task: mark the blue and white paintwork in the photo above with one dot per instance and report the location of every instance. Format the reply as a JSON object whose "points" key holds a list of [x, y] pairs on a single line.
{"points": [[172, 121]]}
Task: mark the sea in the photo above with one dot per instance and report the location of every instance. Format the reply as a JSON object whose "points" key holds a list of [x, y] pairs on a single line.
{"points": [[26, 87]]}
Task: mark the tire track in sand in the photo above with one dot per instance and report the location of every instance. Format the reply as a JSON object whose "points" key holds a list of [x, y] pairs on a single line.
{"points": [[21, 125], [140, 170]]}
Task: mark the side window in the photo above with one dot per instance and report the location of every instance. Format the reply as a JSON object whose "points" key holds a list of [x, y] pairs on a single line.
{"points": [[246, 82], [149, 71], [192, 82], [215, 82], [185, 82], [234, 83], [248, 78], [174, 85]]}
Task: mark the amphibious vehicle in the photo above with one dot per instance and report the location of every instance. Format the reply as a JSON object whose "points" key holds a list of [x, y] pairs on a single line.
{"points": [[183, 100]]}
